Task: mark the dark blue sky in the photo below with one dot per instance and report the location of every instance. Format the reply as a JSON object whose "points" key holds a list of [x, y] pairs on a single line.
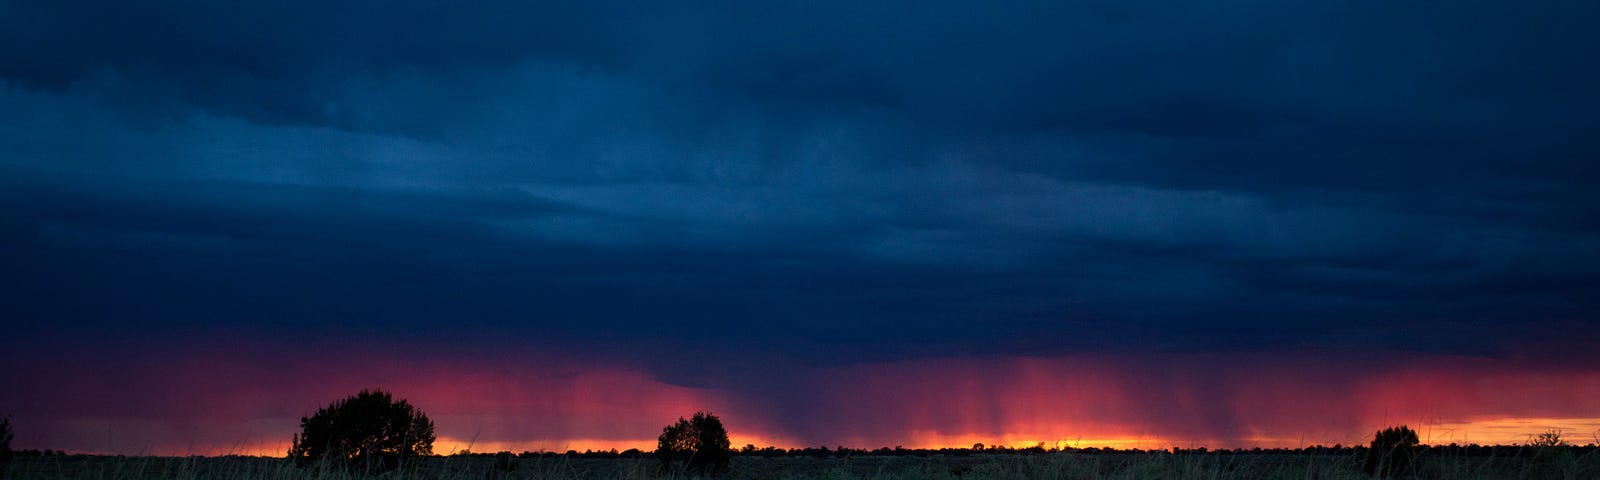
{"points": [[710, 194]]}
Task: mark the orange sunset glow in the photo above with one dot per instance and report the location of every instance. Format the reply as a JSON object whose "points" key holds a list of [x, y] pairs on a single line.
{"points": [[1147, 402]]}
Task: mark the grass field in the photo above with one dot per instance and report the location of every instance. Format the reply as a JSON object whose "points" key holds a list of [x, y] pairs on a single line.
{"points": [[1074, 465]]}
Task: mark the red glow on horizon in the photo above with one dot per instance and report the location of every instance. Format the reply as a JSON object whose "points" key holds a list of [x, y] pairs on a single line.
{"points": [[551, 403], [1212, 401]]}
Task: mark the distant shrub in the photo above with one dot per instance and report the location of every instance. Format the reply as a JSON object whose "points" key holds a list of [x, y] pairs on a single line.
{"points": [[1393, 451], [1547, 439], [1552, 457], [369, 432], [701, 443]]}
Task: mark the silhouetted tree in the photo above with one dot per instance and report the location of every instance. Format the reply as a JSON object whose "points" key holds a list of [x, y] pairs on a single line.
{"points": [[368, 432], [1392, 452], [5, 444], [1551, 438], [701, 443], [1550, 455]]}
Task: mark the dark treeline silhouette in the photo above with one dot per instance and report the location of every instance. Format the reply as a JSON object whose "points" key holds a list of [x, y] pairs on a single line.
{"points": [[373, 432]]}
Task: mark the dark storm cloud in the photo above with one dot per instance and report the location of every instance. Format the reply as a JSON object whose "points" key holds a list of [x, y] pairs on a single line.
{"points": [[277, 62], [1371, 70], [817, 183], [1238, 95]]}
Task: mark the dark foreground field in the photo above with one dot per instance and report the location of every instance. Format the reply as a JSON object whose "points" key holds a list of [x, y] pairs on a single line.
{"points": [[1076, 465]]}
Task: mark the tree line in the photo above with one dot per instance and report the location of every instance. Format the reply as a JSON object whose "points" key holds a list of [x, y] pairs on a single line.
{"points": [[372, 432]]}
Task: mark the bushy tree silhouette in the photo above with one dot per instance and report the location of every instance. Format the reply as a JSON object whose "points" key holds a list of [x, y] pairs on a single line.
{"points": [[701, 443], [369, 432], [1392, 452], [1551, 457], [1548, 439], [5, 444]]}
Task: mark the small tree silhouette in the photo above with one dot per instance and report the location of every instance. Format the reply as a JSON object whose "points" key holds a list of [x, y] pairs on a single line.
{"points": [[368, 432], [701, 443], [1551, 457], [1548, 439], [1392, 452]]}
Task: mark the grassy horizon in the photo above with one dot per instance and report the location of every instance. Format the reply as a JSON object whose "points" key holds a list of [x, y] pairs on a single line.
{"points": [[1053, 466], [1501, 462]]}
